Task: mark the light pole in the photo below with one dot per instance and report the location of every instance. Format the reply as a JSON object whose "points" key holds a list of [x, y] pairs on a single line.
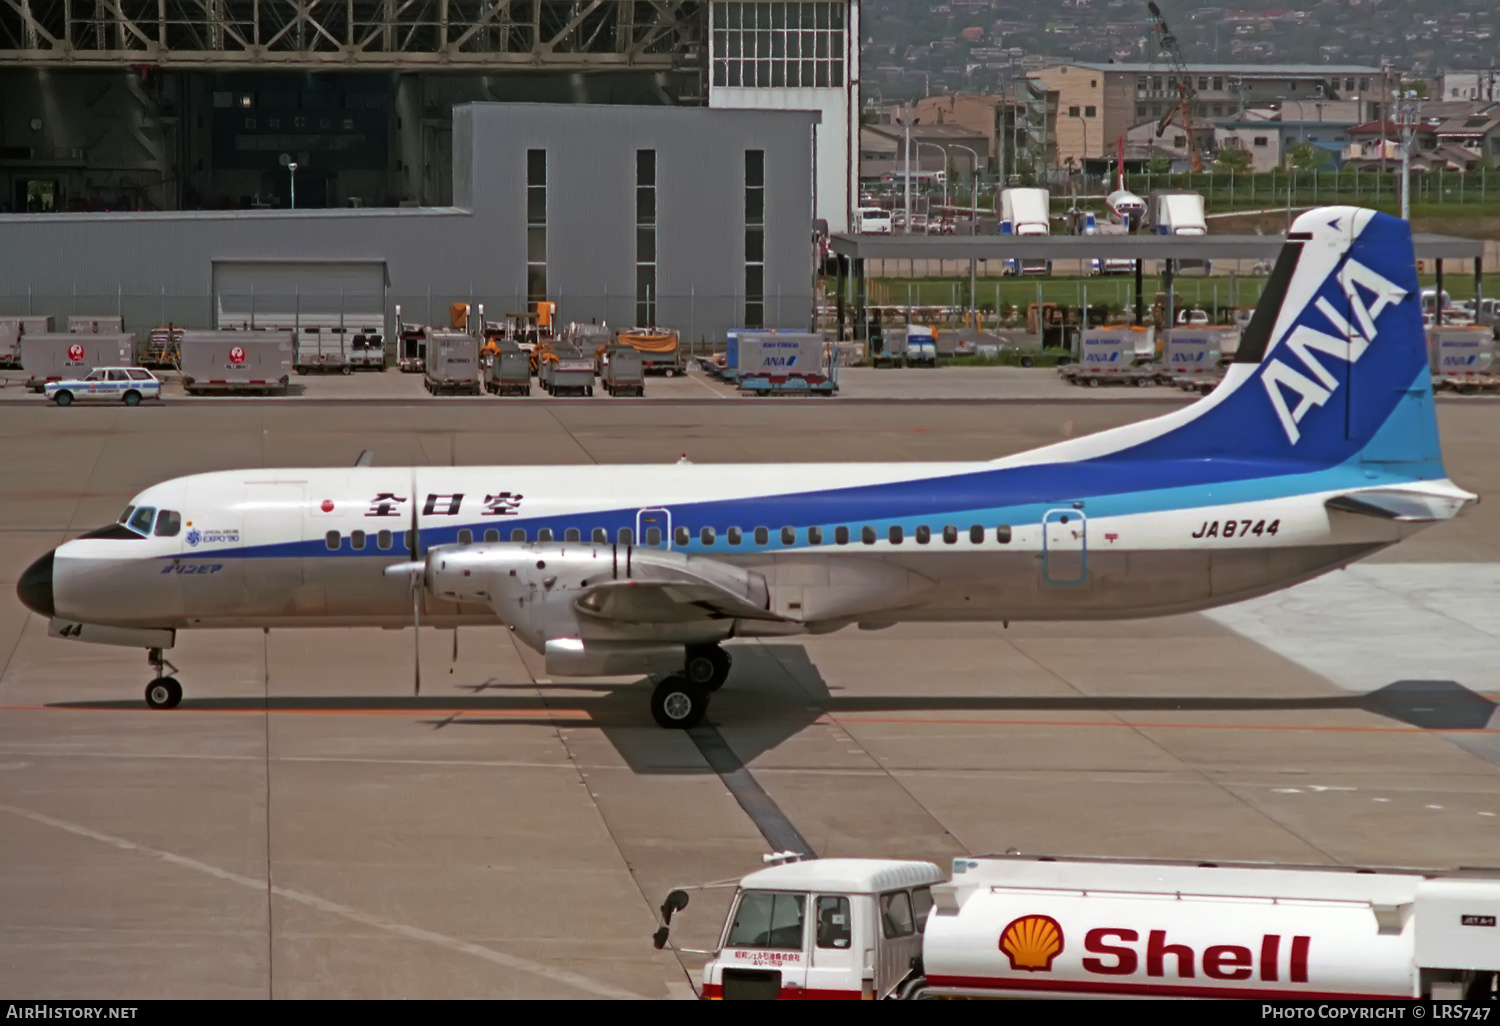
{"points": [[904, 119], [944, 155], [1406, 120], [292, 167], [1083, 160], [973, 221]]}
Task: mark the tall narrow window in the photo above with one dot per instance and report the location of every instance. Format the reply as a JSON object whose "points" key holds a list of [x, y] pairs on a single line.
{"points": [[536, 225], [755, 238], [645, 237]]}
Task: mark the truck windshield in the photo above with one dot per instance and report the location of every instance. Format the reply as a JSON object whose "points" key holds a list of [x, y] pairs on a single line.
{"points": [[767, 919]]}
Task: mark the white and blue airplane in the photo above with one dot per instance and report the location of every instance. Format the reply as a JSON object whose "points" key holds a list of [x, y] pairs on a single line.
{"points": [[1319, 447]]}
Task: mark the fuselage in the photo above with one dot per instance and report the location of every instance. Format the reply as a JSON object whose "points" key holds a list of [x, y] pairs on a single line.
{"points": [[873, 543]]}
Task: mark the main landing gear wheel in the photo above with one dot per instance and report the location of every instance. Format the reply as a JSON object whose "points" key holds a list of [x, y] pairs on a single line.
{"points": [[678, 704], [163, 693], [708, 666]]}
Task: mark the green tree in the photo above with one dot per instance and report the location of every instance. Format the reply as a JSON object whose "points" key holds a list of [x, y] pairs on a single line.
{"points": [[1305, 156], [1234, 159], [1159, 165]]}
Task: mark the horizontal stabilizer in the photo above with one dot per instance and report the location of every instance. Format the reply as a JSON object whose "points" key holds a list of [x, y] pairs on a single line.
{"points": [[1405, 505]]}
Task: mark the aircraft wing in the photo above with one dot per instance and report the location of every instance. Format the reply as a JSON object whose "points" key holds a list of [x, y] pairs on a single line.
{"points": [[1407, 505]]}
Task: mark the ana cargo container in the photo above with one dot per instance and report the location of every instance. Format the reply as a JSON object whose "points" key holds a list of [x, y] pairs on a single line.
{"points": [[55, 356], [452, 366], [1462, 359], [236, 361], [1112, 356], [12, 329], [507, 371], [621, 372], [1023, 926], [784, 363], [82, 324], [660, 349]]}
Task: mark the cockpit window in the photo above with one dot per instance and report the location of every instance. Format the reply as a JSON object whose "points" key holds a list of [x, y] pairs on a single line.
{"points": [[141, 520], [125, 517], [168, 523]]}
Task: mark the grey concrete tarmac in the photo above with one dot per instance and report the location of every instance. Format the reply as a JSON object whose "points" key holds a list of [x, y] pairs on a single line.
{"points": [[304, 827]]}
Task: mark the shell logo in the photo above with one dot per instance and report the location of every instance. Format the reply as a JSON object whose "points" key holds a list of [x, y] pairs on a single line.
{"points": [[75, 352], [237, 355], [1031, 943]]}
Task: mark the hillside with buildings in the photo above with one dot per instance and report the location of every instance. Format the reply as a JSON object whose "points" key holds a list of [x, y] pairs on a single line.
{"points": [[915, 49]]}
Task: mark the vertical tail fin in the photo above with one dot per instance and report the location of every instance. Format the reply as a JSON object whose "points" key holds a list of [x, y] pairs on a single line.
{"points": [[1333, 366]]}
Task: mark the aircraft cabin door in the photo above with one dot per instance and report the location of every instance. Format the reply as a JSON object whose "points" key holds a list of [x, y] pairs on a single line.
{"points": [[1064, 547], [653, 528]]}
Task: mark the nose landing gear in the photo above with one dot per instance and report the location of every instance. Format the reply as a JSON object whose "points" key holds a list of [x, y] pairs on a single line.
{"points": [[164, 692]]}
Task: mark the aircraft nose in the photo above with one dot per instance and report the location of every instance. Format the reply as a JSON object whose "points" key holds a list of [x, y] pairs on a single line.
{"points": [[35, 587]]}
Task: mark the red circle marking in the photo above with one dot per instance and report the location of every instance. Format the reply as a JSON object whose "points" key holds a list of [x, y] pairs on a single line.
{"points": [[75, 352], [237, 355], [327, 506]]}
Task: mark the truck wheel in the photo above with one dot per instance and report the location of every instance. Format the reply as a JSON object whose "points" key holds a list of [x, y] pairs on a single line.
{"points": [[132, 398], [591, 391], [1093, 382], [670, 372], [63, 398], [347, 370], [1027, 361]]}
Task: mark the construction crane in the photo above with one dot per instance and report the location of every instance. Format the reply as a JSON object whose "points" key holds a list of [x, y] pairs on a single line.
{"points": [[1186, 94]]}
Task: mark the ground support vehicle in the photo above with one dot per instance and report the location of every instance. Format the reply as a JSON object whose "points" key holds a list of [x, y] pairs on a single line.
{"points": [[163, 348], [1017, 925], [621, 372], [321, 348], [660, 349], [411, 346], [128, 385], [784, 363], [1462, 359], [565, 369], [236, 361], [58, 356], [452, 365], [367, 350], [508, 370]]}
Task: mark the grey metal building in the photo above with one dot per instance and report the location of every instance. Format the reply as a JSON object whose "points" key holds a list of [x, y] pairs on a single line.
{"points": [[693, 218]]}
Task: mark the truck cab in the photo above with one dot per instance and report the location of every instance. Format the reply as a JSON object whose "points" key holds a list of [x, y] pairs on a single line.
{"points": [[824, 928]]}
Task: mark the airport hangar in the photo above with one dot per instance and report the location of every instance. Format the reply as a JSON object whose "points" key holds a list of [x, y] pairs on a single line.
{"points": [[696, 218]]}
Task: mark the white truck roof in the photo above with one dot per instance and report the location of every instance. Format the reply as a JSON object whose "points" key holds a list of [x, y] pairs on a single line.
{"points": [[849, 876]]}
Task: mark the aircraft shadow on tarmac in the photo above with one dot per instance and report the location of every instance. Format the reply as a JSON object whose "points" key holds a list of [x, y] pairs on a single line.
{"points": [[775, 691]]}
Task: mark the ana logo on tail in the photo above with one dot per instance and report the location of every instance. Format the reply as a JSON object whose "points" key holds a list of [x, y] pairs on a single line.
{"points": [[1348, 345]]}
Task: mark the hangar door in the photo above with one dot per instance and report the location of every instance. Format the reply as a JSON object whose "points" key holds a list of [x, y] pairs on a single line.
{"points": [[300, 294]]}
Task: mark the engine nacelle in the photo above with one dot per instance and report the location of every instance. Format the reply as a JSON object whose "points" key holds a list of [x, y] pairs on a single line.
{"points": [[536, 590]]}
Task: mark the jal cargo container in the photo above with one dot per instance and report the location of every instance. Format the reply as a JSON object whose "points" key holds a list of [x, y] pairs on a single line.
{"points": [[55, 356], [1462, 358], [81, 324], [1023, 926], [236, 361], [452, 364]]}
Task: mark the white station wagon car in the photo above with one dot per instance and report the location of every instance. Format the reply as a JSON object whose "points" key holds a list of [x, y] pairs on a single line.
{"points": [[128, 385]]}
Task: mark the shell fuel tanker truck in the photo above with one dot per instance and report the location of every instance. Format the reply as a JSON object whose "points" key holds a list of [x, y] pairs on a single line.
{"points": [[1019, 926]]}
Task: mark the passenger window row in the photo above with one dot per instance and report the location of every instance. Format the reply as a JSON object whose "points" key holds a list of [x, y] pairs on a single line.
{"points": [[683, 536]]}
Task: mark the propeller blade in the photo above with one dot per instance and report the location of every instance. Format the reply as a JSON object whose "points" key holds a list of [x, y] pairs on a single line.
{"points": [[416, 637], [416, 593]]}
